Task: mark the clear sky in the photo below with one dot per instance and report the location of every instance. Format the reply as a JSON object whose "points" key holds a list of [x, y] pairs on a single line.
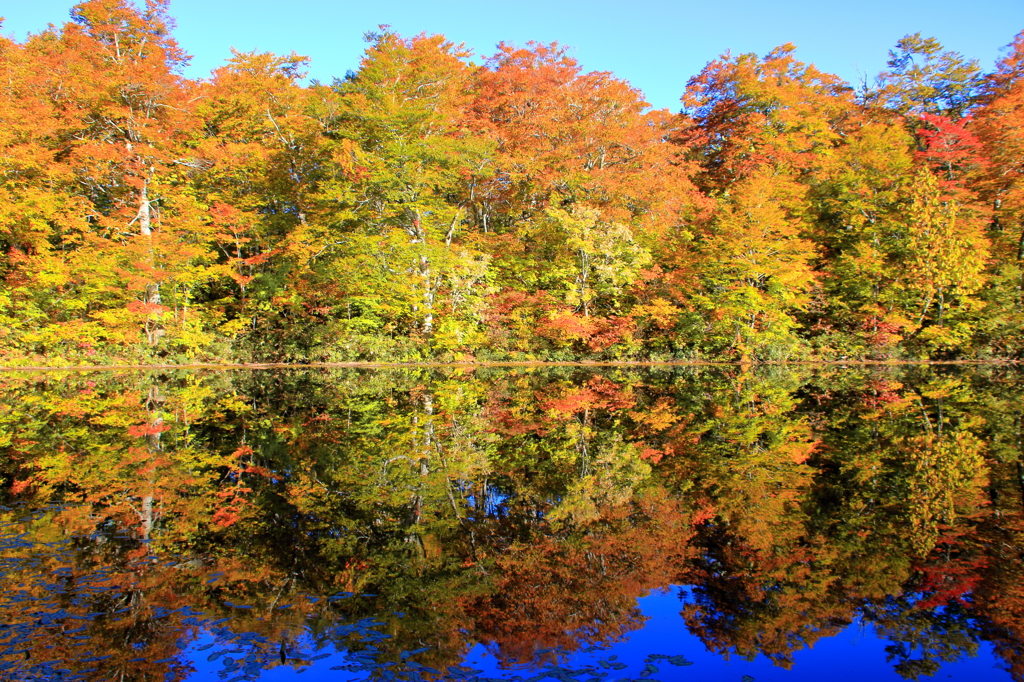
{"points": [[654, 44]]}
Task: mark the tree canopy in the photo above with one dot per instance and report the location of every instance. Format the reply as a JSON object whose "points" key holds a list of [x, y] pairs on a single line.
{"points": [[433, 205]]}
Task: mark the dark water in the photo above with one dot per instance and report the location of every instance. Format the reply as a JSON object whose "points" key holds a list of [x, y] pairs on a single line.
{"points": [[569, 524]]}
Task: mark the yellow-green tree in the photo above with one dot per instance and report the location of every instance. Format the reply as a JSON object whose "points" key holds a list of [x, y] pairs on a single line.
{"points": [[757, 270]]}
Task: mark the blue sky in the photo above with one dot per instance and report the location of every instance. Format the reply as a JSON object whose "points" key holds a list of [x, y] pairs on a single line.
{"points": [[654, 44]]}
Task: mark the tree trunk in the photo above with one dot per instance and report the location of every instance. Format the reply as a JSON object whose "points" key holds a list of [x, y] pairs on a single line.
{"points": [[428, 295], [144, 214]]}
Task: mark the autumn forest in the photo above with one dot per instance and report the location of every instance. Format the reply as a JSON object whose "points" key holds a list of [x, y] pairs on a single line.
{"points": [[432, 204]]}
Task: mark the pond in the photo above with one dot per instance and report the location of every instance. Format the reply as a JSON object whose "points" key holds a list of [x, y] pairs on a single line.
{"points": [[567, 523]]}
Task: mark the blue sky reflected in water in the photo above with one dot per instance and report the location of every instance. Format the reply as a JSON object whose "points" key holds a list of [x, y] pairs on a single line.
{"points": [[855, 655]]}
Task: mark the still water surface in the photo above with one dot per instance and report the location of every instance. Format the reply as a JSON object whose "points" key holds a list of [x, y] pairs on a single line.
{"points": [[571, 523]]}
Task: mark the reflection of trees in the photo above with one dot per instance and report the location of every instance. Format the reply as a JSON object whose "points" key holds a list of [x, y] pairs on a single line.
{"points": [[567, 589], [286, 486], [921, 640], [997, 599], [526, 510], [901, 497], [762, 578]]}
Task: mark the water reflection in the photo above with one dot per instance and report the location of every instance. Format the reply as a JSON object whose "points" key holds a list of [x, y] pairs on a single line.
{"points": [[255, 520]]}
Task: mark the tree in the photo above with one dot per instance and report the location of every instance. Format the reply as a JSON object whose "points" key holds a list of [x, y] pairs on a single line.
{"points": [[565, 135], [758, 268], [924, 79], [743, 114], [406, 110], [585, 256], [265, 160], [946, 258], [111, 116], [1000, 127], [862, 210]]}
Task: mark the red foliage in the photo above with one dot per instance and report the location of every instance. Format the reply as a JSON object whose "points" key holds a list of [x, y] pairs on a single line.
{"points": [[18, 487], [705, 512], [946, 579], [609, 331], [599, 393], [566, 326], [950, 149], [226, 516], [881, 333], [883, 392], [143, 430], [652, 455], [146, 308], [597, 333]]}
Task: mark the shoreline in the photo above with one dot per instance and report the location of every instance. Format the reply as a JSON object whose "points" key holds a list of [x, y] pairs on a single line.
{"points": [[498, 363]]}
